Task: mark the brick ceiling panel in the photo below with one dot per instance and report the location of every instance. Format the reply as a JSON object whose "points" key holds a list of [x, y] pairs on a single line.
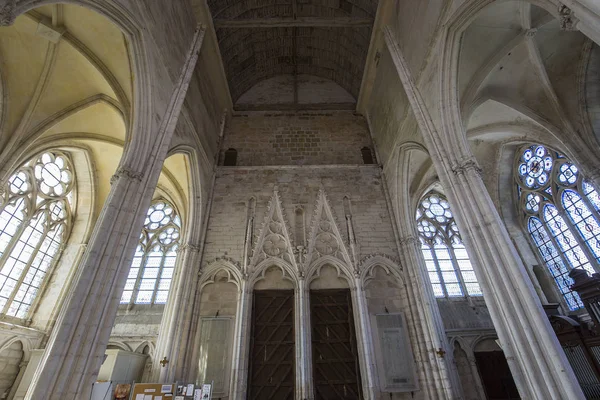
{"points": [[260, 39]]}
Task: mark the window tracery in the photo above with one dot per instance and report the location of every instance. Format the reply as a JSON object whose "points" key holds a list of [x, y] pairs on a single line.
{"points": [[153, 264], [35, 217], [448, 266], [560, 211]]}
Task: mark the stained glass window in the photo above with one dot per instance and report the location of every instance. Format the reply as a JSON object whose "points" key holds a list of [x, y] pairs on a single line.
{"points": [[153, 264], [448, 266], [35, 214], [560, 211]]}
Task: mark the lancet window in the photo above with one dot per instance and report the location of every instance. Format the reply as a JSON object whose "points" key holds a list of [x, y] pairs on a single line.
{"points": [[153, 264], [35, 218], [560, 210], [448, 266]]}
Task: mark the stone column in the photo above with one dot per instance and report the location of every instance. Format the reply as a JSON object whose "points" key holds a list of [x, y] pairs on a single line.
{"points": [[304, 377], [475, 372], [76, 347], [538, 363], [174, 335], [364, 338], [432, 350], [241, 343]]}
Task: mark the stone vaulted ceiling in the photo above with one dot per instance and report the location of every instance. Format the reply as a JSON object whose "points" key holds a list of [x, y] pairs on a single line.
{"points": [[260, 39]]}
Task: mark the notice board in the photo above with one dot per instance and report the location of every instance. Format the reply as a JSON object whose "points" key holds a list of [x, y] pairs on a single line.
{"points": [[152, 391]]}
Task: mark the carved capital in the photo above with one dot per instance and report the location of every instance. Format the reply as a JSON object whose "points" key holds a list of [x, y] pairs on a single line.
{"points": [[189, 247], [567, 19], [128, 174], [468, 165], [593, 174], [408, 240], [7, 13], [531, 32]]}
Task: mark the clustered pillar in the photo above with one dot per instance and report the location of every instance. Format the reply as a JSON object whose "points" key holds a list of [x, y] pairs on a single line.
{"points": [[76, 347], [537, 362]]}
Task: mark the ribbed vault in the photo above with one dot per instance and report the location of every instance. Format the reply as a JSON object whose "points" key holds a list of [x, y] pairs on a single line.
{"points": [[261, 39]]}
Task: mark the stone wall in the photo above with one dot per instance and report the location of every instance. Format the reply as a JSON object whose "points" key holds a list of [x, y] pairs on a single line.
{"points": [[10, 359], [303, 138], [460, 314], [298, 187]]}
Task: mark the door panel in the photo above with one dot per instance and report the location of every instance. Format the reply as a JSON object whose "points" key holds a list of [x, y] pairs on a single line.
{"points": [[336, 369], [495, 375], [272, 354]]}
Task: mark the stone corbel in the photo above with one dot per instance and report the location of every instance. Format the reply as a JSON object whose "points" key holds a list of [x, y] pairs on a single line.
{"points": [[126, 173], [567, 19], [463, 166], [7, 13]]}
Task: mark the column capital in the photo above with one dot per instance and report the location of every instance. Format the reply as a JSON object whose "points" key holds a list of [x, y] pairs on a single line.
{"points": [[128, 174], [593, 173], [567, 19], [193, 248], [408, 240], [7, 13], [465, 165]]}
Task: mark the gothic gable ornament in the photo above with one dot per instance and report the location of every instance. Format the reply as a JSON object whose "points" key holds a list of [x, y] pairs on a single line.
{"points": [[274, 239], [325, 239]]}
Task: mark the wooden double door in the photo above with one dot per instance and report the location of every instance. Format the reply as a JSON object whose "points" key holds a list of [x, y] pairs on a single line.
{"points": [[336, 371], [272, 374]]}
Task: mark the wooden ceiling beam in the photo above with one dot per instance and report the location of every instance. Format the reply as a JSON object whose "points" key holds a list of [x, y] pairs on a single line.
{"points": [[300, 22]]}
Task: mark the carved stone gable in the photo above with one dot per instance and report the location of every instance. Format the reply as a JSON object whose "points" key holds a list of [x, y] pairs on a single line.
{"points": [[325, 238], [274, 238]]}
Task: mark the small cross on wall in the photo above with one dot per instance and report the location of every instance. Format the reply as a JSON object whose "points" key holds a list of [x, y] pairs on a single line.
{"points": [[164, 362], [440, 352]]}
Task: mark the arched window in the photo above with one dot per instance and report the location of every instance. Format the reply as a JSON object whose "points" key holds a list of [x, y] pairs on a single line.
{"points": [[560, 211], [446, 258], [35, 216], [154, 260], [367, 155], [230, 159]]}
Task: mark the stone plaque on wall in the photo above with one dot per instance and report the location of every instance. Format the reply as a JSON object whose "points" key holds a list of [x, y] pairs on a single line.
{"points": [[394, 354], [214, 353]]}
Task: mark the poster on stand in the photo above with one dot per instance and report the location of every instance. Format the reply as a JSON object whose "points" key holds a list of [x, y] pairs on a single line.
{"points": [[207, 391], [198, 394]]}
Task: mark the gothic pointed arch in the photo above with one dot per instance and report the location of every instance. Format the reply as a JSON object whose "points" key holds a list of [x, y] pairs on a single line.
{"points": [[560, 210], [153, 264], [36, 215], [448, 266]]}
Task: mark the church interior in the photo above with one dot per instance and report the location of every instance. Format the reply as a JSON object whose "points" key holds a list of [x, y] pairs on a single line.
{"points": [[300, 199]]}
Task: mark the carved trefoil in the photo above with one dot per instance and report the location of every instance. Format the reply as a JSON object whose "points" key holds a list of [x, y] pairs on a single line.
{"points": [[325, 239]]}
